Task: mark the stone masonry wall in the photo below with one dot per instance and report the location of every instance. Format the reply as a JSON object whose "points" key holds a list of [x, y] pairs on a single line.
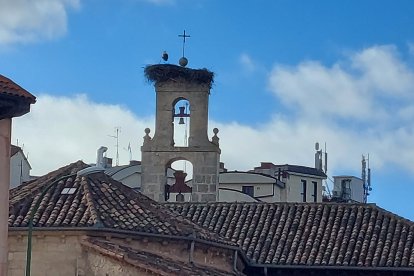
{"points": [[100, 265], [53, 254], [60, 253]]}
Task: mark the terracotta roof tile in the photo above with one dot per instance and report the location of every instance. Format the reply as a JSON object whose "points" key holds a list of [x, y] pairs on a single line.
{"points": [[316, 234], [157, 264], [97, 201], [10, 88]]}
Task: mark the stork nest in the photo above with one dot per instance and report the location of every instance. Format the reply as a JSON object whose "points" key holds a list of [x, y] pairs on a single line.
{"points": [[166, 72]]}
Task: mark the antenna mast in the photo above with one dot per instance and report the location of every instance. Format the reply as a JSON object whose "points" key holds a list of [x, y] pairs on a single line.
{"points": [[117, 131], [366, 179]]}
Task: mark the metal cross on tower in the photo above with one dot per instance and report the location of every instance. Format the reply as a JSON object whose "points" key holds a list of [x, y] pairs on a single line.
{"points": [[184, 36]]}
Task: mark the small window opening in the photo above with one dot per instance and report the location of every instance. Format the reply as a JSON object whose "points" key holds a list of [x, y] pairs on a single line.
{"points": [[181, 121], [303, 190], [248, 190]]}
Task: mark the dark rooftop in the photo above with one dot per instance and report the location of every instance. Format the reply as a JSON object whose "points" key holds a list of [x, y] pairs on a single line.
{"points": [[97, 201], [309, 234]]}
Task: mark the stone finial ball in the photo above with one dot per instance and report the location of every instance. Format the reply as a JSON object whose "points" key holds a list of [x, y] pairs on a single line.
{"points": [[215, 130], [147, 131], [183, 62]]}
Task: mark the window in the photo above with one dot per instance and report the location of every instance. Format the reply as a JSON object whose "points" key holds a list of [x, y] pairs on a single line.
{"points": [[315, 191], [303, 190], [68, 191], [248, 190]]}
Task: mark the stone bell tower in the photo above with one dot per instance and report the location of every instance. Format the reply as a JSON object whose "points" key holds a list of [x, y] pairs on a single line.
{"points": [[172, 84]]}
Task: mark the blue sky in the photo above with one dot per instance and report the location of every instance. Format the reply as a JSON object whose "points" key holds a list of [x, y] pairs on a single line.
{"points": [[288, 74]]}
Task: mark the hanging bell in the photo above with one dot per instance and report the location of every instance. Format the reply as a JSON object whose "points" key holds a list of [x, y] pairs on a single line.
{"points": [[181, 122]]}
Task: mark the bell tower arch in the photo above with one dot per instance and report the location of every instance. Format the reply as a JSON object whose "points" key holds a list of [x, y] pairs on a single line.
{"points": [[173, 83]]}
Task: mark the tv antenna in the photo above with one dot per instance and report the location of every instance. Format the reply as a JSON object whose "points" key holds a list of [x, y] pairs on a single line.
{"points": [[117, 131]]}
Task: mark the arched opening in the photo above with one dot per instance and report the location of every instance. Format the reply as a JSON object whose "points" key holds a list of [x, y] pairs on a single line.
{"points": [[181, 122], [179, 173], [179, 197]]}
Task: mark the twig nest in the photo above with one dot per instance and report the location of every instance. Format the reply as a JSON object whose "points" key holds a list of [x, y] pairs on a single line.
{"points": [[159, 73]]}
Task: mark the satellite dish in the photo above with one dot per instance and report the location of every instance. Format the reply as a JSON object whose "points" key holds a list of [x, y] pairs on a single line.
{"points": [[317, 146]]}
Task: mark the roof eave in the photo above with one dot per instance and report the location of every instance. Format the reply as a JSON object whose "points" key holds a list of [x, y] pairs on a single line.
{"points": [[126, 232], [12, 106], [335, 267], [307, 175]]}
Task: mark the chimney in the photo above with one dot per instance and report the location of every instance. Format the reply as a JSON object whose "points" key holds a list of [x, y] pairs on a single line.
{"points": [[222, 168], [134, 162], [107, 162]]}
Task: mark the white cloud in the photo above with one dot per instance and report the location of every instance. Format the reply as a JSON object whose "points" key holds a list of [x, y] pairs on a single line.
{"points": [[383, 72], [358, 105], [375, 84], [24, 21], [315, 90], [247, 62], [60, 130]]}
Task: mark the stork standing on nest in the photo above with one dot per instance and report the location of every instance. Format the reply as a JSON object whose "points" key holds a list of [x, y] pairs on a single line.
{"points": [[165, 56]]}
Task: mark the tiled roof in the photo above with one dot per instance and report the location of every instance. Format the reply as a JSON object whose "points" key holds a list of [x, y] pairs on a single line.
{"points": [[9, 87], [156, 264], [309, 234], [97, 201]]}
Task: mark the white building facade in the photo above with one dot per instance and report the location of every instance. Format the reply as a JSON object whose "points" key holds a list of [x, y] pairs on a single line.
{"points": [[19, 167], [348, 189]]}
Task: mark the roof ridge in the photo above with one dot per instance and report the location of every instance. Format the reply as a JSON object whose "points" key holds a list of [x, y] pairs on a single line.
{"points": [[91, 201], [271, 203], [389, 213]]}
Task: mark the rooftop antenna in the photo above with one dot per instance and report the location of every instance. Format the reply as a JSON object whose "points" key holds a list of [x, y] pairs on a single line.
{"points": [[130, 151], [318, 157], [117, 131], [369, 177], [326, 160], [183, 60], [321, 163], [366, 178]]}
